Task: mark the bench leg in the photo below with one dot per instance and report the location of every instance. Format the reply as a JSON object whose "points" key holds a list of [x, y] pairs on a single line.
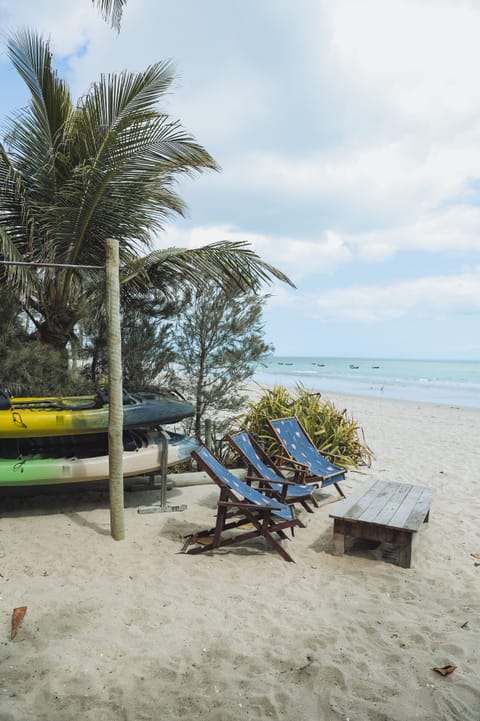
{"points": [[339, 539], [405, 560]]}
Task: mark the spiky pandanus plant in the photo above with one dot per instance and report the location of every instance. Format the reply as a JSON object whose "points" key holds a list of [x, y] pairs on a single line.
{"points": [[336, 435]]}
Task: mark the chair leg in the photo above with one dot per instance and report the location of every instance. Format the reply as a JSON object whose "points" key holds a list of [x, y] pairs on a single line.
{"points": [[339, 490], [283, 553], [298, 523], [306, 506], [220, 525]]}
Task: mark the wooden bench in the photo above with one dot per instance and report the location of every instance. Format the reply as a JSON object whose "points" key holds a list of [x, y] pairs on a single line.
{"points": [[385, 512]]}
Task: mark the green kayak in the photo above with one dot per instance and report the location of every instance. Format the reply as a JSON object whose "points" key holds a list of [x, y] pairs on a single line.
{"points": [[25, 463]]}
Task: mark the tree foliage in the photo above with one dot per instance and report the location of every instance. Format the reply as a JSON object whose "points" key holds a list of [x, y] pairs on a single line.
{"points": [[27, 366], [147, 345], [219, 341]]}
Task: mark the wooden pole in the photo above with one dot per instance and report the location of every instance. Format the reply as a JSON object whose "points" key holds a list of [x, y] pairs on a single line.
{"points": [[115, 402]]}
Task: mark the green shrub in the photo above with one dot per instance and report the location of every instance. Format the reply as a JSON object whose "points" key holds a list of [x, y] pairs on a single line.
{"points": [[28, 367], [335, 434]]}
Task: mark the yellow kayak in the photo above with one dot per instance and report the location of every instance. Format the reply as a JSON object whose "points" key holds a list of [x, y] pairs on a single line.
{"points": [[37, 417]]}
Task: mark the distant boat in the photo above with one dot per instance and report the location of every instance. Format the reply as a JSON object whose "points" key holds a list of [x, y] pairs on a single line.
{"points": [[352, 366], [375, 366]]}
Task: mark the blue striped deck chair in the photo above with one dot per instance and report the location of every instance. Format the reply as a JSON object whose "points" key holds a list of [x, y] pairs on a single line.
{"points": [[240, 507], [267, 474], [301, 451]]}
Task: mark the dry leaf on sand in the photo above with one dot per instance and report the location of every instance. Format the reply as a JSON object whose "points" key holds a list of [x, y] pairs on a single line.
{"points": [[17, 618], [475, 555], [444, 670]]}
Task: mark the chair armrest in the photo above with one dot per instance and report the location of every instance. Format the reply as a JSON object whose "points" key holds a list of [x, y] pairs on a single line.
{"points": [[262, 480], [292, 462], [300, 476], [248, 505]]}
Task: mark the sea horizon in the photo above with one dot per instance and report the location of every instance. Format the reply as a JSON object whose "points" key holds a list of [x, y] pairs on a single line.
{"points": [[450, 382]]}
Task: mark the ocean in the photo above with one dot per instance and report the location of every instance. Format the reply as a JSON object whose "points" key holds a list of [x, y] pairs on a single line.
{"points": [[454, 383]]}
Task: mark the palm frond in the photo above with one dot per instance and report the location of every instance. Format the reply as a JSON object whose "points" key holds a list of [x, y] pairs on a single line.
{"points": [[111, 11], [232, 264], [23, 278], [36, 133], [128, 156]]}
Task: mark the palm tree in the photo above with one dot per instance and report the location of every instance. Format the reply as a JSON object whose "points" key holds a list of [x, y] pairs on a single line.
{"points": [[72, 176]]}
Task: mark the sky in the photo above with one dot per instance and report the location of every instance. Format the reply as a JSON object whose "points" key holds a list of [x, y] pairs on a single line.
{"points": [[348, 135]]}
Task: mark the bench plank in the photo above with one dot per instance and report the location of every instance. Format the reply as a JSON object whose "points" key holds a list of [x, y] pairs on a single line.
{"points": [[412, 513], [353, 507], [382, 515], [374, 502]]}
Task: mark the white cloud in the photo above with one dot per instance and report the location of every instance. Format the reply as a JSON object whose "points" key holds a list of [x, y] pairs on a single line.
{"points": [[293, 256], [403, 57], [423, 56], [453, 230], [214, 126], [396, 178], [66, 24], [436, 296]]}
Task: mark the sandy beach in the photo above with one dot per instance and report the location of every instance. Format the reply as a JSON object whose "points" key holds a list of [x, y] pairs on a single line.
{"points": [[136, 631]]}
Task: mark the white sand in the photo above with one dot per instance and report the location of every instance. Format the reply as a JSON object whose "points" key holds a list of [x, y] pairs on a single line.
{"points": [[134, 630]]}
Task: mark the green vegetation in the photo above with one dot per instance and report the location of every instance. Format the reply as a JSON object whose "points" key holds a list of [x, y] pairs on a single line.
{"points": [[219, 341], [28, 367], [336, 436], [147, 344]]}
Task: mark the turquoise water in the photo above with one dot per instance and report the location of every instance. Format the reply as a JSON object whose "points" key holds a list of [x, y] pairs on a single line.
{"points": [[431, 381]]}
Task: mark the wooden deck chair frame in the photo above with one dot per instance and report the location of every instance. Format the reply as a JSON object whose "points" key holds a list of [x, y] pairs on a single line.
{"points": [[263, 470], [330, 474], [239, 505]]}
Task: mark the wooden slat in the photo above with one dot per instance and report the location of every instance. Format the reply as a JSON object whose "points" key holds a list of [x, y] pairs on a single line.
{"points": [[383, 509], [405, 509], [422, 508], [400, 493], [411, 514], [354, 503]]}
